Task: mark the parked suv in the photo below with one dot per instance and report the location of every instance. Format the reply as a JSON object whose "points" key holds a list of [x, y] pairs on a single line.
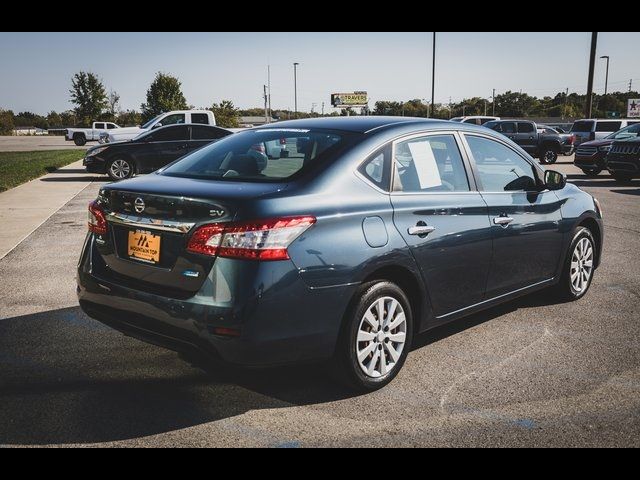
{"points": [[596, 129], [623, 160], [590, 156], [544, 146]]}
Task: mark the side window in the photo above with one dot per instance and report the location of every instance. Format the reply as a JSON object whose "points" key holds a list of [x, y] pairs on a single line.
{"points": [[173, 119], [429, 164], [170, 134], [525, 127], [200, 118], [500, 169], [99, 126], [608, 126], [199, 132], [508, 127], [376, 168], [111, 126], [474, 121], [485, 120]]}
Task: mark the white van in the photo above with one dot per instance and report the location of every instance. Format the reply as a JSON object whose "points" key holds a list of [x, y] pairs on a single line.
{"points": [[475, 119], [596, 129]]}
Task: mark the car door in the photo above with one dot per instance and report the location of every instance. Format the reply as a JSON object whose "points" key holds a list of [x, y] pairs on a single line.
{"points": [[525, 220], [161, 146], [527, 137], [442, 219], [202, 135]]}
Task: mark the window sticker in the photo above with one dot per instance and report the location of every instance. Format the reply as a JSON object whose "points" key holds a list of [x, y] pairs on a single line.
{"points": [[425, 163]]}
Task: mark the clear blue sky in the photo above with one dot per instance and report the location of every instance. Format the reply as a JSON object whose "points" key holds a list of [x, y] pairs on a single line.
{"points": [[36, 67]]}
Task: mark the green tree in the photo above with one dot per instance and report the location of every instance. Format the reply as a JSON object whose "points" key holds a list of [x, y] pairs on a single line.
{"points": [[54, 120], [89, 95], [227, 115], [164, 95], [6, 122], [129, 118]]}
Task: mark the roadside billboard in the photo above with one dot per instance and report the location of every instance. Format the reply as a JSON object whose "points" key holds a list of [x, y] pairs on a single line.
{"points": [[633, 110], [351, 99]]}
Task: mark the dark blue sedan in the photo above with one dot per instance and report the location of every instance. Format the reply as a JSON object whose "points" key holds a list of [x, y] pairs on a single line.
{"points": [[353, 236]]}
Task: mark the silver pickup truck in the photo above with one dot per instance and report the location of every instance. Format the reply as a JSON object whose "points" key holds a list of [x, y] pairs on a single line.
{"points": [[80, 136]]}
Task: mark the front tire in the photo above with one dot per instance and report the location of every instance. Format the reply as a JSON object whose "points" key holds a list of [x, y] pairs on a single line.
{"points": [[579, 266], [622, 177], [591, 172], [376, 337], [120, 169]]}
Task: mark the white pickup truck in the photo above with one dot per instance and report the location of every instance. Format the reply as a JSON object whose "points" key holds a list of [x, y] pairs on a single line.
{"points": [[205, 117], [80, 136]]}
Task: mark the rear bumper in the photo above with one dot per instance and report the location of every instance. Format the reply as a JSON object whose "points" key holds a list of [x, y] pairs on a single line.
{"points": [[280, 318]]}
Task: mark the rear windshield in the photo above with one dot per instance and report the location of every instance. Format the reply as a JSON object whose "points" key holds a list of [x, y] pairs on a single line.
{"points": [[582, 126], [261, 155]]}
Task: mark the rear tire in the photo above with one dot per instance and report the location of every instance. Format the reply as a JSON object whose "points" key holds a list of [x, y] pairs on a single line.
{"points": [[591, 172], [373, 346], [120, 169], [579, 266], [79, 139], [548, 155]]}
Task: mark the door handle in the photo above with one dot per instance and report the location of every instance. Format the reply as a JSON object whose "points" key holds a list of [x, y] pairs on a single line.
{"points": [[503, 221], [421, 230]]}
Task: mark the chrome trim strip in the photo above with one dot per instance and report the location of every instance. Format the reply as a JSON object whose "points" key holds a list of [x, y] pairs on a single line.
{"points": [[496, 298], [149, 223]]}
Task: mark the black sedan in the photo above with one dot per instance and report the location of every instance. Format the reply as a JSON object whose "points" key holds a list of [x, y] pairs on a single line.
{"points": [[150, 151]]}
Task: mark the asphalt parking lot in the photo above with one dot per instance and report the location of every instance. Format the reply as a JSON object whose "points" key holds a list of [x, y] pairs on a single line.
{"points": [[528, 373], [33, 143]]}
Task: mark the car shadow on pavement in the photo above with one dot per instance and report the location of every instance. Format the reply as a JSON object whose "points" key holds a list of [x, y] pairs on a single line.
{"points": [[67, 379], [68, 170]]}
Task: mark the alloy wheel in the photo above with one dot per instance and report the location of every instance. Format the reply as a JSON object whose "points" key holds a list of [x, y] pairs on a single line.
{"points": [[381, 337], [120, 169], [581, 265]]}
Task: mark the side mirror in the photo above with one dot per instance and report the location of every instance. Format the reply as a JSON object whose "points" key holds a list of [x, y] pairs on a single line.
{"points": [[554, 180]]}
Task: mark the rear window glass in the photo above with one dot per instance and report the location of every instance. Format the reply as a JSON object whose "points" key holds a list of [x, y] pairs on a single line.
{"points": [[582, 126], [261, 155], [608, 126]]}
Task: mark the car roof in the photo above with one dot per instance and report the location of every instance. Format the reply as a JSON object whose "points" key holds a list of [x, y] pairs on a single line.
{"points": [[359, 124]]}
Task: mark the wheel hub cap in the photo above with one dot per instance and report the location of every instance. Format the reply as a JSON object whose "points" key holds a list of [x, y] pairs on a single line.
{"points": [[581, 265], [381, 337]]}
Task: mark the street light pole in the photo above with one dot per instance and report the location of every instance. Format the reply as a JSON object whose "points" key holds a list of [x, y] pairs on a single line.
{"points": [[494, 102], [592, 64], [295, 88], [433, 78], [606, 78]]}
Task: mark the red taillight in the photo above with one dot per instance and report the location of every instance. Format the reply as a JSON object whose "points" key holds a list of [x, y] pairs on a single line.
{"points": [[226, 332], [97, 219], [572, 139], [265, 240]]}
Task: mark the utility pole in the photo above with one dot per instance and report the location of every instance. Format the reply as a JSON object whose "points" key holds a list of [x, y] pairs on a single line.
{"points": [[266, 109], [295, 88], [485, 107], [323, 109], [313, 106], [269, 88], [494, 102], [433, 77], [630, 83], [606, 78], [566, 99], [592, 64]]}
